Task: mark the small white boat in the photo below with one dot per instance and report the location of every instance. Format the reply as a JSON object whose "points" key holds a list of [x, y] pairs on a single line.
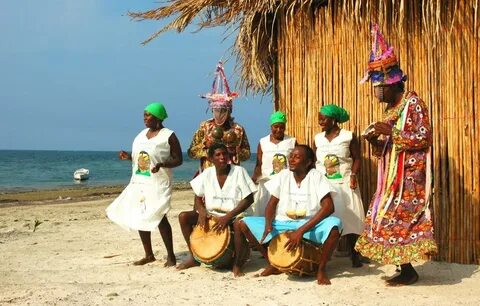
{"points": [[81, 174]]}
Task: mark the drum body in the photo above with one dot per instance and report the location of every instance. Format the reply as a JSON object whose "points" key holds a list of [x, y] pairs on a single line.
{"points": [[301, 261], [212, 248]]}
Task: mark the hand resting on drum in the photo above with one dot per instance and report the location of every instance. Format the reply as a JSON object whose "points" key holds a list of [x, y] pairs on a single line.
{"points": [[294, 240], [222, 223]]}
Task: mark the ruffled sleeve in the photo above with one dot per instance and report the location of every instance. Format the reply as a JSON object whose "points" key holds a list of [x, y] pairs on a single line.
{"points": [[197, 148], [417, 132]]}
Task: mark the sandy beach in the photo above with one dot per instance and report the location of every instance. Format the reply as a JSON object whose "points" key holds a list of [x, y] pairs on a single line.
{"points": [[66, 252]]}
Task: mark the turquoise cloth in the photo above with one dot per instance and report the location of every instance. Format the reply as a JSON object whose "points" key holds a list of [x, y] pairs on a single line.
{"points": [[318, 234], [157, 110]]}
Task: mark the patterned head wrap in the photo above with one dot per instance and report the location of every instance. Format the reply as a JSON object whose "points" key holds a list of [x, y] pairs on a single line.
{"points": [[278, 117], [220, 97], [336, 112], [383, 67], [157, 110]]}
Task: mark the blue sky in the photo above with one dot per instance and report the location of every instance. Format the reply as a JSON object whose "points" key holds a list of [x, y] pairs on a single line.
{"points": [[74, 76]]}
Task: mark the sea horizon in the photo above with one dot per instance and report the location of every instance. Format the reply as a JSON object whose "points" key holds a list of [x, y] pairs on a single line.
{"points": [[26, 170]]}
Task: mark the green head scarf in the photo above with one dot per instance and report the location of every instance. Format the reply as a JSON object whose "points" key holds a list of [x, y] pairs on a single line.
{"points": [[335, 112], [158, 110], [278, 117]]}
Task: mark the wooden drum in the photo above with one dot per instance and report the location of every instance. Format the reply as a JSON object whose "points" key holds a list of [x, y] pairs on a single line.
{"points": [[212, 248], [301, 261]]}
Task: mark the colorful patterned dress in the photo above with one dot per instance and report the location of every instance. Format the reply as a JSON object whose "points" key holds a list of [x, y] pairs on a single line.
{"points": [[398, 225], [235, 139]]}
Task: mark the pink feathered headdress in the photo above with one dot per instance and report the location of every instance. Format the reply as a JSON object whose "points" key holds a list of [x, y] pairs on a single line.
{"points": [[220, 96], [383, 67]]}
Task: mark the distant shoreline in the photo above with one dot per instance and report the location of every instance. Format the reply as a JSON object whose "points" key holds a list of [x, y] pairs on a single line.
{"points": [[11, 197]]}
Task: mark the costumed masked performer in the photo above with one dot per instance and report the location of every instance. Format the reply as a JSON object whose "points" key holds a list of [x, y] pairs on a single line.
{"points": [[398, 225], [221, 128]]}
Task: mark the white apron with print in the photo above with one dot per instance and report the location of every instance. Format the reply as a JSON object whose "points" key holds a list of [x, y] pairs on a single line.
{"points": [[274, 160], [334, 161], [146, 199]]}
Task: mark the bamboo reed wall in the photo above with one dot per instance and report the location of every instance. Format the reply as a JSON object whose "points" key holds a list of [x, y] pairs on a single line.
{"points": [[322, 54]]}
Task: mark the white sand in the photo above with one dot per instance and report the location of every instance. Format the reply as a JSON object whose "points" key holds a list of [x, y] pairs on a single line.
{"points": [[63, 263]]}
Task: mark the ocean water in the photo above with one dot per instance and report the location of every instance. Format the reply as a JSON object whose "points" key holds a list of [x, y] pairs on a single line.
{"points": [[32, 170]]}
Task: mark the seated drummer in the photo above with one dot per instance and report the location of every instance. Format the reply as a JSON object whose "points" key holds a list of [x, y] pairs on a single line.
{"points": [[222, 192], [300, 203]]}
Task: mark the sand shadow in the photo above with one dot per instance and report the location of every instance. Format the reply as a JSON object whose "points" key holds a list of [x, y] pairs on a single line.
{"points": [[342, 268], [441, 273], [255, 263]]}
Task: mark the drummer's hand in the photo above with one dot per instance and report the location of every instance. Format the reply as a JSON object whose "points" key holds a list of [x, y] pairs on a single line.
{"points": [[268, 230], [294, 239], [202, 219], [221, 224]]}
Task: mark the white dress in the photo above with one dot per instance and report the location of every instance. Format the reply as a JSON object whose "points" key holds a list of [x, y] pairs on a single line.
{"points": [[146, 199], [275, 155], [335, 162], [303, 200], [274, 160], [220, 200]]}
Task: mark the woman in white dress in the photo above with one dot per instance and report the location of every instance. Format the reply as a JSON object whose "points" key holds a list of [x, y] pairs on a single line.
{"points": [[144, 203], [338, 157], [272, 157]]}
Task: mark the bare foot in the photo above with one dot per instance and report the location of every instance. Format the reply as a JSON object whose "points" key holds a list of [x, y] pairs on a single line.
{"points": [[322, 278], [171, 262], [270, 270], [188, 263], [144, 261], [237, 271], [404, 279]]}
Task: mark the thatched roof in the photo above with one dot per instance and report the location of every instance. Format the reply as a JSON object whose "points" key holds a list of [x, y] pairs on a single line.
{"points": [[255, 21]]}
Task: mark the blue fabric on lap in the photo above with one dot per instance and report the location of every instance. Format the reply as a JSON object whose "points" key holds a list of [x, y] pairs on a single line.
{"points": [[318, 234]]}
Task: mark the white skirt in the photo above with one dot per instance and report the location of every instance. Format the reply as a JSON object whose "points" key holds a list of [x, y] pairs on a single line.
{"points": [[261, 198], [353, 214], [140, 207]]}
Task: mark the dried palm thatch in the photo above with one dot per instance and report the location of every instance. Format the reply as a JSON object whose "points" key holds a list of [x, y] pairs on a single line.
{"points": [[313, 52], [255, 20]]}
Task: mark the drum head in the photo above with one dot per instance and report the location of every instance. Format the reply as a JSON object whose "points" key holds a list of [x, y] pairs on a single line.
{"points": [[278, 254], [208, 246]]}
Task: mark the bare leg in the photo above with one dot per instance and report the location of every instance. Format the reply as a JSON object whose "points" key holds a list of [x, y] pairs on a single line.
{"points": [[407, 276], [187, 220], [147, 246], [166, 232], [241, 247], [355, 256], [328, 248], [243, 230]]}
